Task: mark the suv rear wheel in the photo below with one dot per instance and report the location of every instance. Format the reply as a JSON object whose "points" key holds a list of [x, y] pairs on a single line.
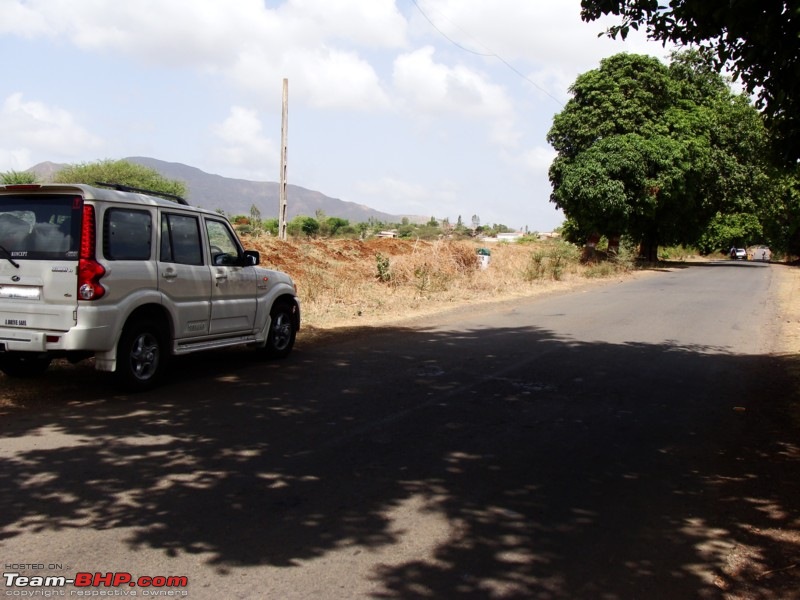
{"points": [[141, 356]]}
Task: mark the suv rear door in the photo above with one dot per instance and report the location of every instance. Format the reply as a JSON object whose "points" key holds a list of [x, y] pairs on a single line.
{"points": [[183, 275], [40, 234]]}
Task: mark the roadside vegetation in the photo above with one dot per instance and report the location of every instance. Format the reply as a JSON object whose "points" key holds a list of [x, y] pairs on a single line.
{"points": [[353, 281]]}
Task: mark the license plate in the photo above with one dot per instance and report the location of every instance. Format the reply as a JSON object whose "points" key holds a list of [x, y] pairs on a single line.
{"points": [[20, 292]]}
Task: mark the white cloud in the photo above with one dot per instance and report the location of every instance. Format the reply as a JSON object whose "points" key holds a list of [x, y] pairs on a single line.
{"points": [[316, 43], [538, 160], [177, 32], [243, 147], [319, 77], [548, 33], [546, 40], [435, 88], [33, 129], [375, 24], [431, 90]]}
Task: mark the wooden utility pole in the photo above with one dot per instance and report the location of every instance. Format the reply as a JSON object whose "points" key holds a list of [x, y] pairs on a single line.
{"points": [[284, 137]]}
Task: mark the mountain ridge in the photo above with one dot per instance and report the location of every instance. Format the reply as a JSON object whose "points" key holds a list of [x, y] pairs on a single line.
{"points": [[237, 196]]}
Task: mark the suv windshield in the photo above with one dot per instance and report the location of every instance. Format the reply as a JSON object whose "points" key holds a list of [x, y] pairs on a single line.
{"points": [[40, 227]]}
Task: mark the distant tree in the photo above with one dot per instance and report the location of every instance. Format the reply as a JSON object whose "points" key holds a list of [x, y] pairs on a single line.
{"points": [[460, 228], [333, 225], [255, 215], [120, 172], [17, 177], [730, 230], [758, 39], [347, 231], [429, 231], [310, 226], [270, 226], [476, 222]]}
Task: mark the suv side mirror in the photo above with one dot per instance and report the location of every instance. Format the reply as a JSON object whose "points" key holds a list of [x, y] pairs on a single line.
{"points": [[251, 258]]}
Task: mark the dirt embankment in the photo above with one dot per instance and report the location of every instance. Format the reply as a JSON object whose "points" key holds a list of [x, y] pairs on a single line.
{"points": [[355, 282]]}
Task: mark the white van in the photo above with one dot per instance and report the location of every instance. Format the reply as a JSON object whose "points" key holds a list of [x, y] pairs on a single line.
{"points": [[131, 279]]}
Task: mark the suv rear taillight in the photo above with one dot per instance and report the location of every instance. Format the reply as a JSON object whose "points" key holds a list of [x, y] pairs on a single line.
{"points": [[89, 270]]}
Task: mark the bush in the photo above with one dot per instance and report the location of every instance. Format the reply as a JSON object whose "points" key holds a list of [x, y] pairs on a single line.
{"points": [[384, 268], [551, 261]]}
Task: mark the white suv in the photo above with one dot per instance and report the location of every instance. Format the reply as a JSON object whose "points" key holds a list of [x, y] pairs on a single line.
{"points": [[131, 279]]}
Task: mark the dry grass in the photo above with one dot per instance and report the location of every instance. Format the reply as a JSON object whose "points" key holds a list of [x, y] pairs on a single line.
{"points": [[343, 282]]}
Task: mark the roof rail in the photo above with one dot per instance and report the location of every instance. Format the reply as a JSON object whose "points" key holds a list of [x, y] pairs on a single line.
{"points": [[127, 188]]}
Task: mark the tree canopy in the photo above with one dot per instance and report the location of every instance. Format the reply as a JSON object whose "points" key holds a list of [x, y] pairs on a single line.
{"points": [[17, 177], [120, 172], [758, 40], [655, 151]]}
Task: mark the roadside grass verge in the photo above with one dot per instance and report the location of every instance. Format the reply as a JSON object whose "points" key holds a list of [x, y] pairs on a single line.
{"points": [[342, 282]]}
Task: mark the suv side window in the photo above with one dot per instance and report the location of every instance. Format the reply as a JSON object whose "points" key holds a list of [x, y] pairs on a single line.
{"points": [[127, 234], [222, 247], [180, 240]]}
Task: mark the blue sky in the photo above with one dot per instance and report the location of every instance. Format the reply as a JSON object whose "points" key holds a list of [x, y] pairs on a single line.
{"points": [[428, 107]]}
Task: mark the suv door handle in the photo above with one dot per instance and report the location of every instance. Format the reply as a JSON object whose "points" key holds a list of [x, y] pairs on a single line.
{"points": [[220, 276], [169, 275]]}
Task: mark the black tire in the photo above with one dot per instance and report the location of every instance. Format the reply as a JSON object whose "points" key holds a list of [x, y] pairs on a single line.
{"points": [[141, 356], [23, 364], [282, 331]]}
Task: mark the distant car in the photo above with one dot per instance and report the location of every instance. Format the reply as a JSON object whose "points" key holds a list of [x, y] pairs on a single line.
{"points": [[738, 254]]}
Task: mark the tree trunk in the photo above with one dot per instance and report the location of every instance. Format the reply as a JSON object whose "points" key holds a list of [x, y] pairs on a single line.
{"points": [[648, 249], [590, 247], [613, 245]]}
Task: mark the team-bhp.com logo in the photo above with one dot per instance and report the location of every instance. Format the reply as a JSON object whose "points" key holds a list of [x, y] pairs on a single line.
{"points": [[95, 584]]}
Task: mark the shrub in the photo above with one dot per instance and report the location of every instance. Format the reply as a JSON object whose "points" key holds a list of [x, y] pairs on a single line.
{"points": [[384, 268]]}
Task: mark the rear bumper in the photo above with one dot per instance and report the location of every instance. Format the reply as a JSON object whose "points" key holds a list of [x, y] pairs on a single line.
{"points": [[93, 339], [22, 340]]}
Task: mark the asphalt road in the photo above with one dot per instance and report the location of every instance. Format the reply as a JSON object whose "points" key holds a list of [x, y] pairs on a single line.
{"points": [[624, 441]]}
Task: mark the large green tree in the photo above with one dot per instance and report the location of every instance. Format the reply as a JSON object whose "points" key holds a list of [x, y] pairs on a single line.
{"points": [[758, 40], [120, 172], [655, 151]]}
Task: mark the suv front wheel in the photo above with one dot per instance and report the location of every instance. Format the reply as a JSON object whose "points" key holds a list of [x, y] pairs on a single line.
{"points": [[282, 331], [141, 355]]}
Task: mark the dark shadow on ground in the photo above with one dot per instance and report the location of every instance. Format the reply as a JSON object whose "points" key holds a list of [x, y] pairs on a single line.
{"points": [[567, 470]]}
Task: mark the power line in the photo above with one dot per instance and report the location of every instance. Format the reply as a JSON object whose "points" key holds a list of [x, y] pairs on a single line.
{"points": [[489, 54], [448, 38]]}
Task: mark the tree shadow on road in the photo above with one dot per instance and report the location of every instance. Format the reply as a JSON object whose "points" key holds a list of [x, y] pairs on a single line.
{"points": [[559, 469]]}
